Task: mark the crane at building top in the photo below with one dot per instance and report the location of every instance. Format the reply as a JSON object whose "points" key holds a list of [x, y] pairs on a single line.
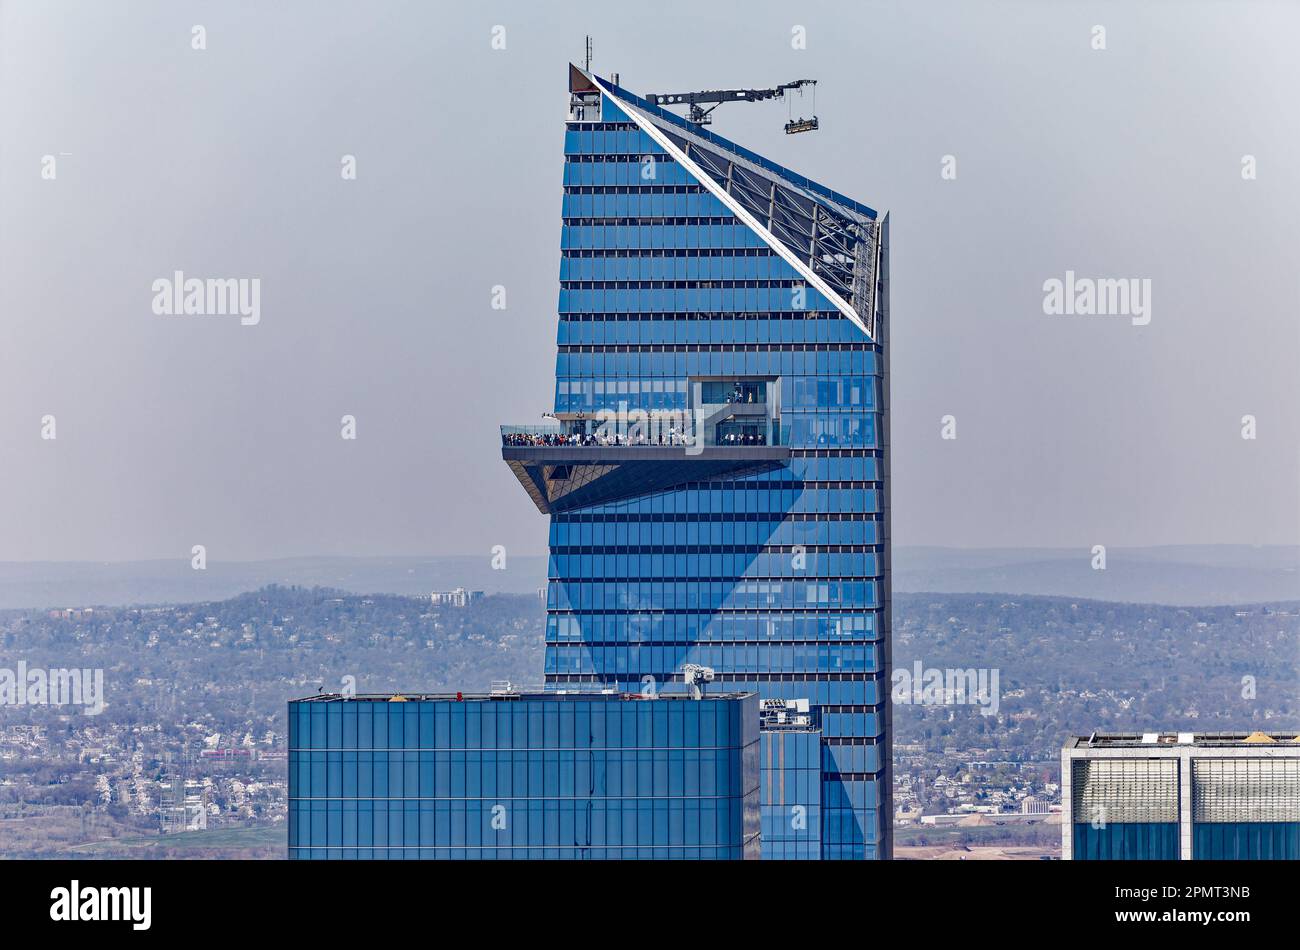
{"points": [[693, 674], [716, 97]]}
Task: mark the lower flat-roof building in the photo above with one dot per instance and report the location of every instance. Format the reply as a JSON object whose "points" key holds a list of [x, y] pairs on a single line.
{"points": [[790, 755], [1185, 795], [586, 775]]}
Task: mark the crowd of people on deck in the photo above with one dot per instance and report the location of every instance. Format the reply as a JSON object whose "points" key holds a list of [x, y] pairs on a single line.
{"points": [[598, 438], [602, 438]]}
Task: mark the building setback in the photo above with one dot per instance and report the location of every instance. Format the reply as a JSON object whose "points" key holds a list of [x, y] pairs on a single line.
{"points": [[1182, 796], [524, 776], [717, 472]]}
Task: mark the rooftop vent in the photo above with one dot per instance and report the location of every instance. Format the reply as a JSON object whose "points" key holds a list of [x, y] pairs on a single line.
{"points": [[1255, 738]]}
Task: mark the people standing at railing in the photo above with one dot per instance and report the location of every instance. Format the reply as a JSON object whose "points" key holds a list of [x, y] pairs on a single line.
{"points": [[674, 436]]}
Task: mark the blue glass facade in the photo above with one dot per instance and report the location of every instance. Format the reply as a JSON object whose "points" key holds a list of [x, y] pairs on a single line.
{"points": [[1246, 841], [1247, 808], [1211, 841], [698, 278], [790, 793], [1129, 841], [577, 776]]}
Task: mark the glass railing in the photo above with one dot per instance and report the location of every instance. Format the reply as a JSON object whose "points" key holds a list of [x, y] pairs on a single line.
{"points": [[595, 437], [657, 434]]}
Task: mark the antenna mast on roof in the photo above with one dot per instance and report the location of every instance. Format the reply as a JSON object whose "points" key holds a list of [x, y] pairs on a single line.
{"points": [[587, 64]]}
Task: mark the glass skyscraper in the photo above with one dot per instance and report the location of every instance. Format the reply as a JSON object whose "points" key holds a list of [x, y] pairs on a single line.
{"points": [[717, 471], [517, 776]]}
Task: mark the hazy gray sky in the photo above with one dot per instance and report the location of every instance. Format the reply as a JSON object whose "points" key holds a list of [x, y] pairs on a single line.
{"points": [[375, 293]]}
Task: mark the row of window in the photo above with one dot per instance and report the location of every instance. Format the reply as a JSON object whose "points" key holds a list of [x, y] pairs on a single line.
{"points": [[693, 299], [830, 392], [768, 266], [862, 344], [803, 849], [808, 531], [588, 772], [705, 515], [744, 517], [744, 597], [803, 522], [692, 538], [591, 396], [800, 468], [798, 815], [855, 695], [664, 661], [658, 252], [552, 722], [761, 329], [803, 428], [713, 236], [713, 500], [571, 853], [711, 628], [849, 796], [641, 364], [792, 285], [649, 171], [715, 567], [626, 140], [642, 823], [728, 503], [707, 597], [642, 204], [781, 753], [848, 834], [604, 516], [621, 395]]}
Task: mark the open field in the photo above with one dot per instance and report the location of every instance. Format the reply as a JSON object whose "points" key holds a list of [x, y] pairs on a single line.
{"points": [[266, 842], [979, 843], [59, 833], [978, 853]]}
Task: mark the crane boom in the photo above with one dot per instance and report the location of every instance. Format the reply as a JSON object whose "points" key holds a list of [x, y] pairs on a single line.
{"points": [[716, 97]]}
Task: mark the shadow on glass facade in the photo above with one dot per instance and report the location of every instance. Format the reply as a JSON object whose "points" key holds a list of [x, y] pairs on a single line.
{"points": [[543, 776], [717, 473]]}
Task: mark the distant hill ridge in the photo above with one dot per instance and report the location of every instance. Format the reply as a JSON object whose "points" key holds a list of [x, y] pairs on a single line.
{"points": [[1184, 575]]}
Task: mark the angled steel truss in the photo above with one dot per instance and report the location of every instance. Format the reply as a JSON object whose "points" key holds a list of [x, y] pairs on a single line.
{"points": [[840, 248]]}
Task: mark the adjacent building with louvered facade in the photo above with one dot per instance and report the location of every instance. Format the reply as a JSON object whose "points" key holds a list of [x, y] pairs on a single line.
{"points": [[1172, 796]]}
